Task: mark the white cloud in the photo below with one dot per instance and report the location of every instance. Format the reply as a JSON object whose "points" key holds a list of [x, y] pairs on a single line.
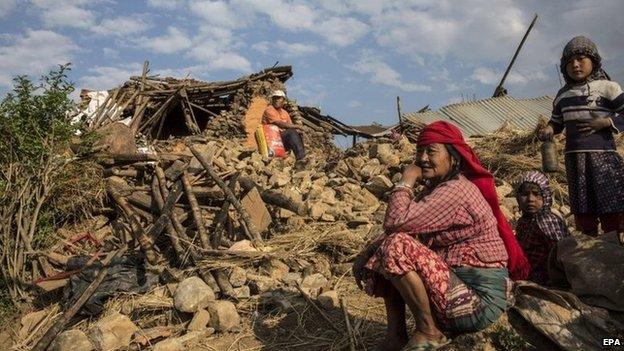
{"points": [[381, 73], [262, 47], [120, 26], [174, 41], [110, 53], [108, 77], [6, 6], [342, 31], [218, 13], [34, 53], [354, 103], [287, 15], [488, 76], [165, 4], [470, 30], [296, 49], [215, 57], [65, 13]]}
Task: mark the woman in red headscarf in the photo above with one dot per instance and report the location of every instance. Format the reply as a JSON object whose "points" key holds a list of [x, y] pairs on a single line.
{"points": [[447, 252]]}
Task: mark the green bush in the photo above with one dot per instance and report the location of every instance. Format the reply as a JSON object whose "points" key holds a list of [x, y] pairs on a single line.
{"points": [[33, 119], [43, 184]]}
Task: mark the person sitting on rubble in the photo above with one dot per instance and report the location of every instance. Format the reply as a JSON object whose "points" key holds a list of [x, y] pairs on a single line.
{"points": [[447, 252], [538, 230], [589, 107], [276, 114]]}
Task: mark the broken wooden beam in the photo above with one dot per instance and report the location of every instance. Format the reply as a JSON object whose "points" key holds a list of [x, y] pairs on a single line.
{"points": [[274, 197], [255, 236]]}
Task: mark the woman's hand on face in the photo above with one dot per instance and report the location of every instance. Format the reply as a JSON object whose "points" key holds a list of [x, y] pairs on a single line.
{"points": [[546, 133], [587, 128], [411, 175]]}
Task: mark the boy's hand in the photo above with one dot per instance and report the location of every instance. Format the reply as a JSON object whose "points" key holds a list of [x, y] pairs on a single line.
{"points": [[587, 128], [546, 133]]}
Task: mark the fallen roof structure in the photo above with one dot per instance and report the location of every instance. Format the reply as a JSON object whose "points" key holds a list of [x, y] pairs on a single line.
{"points": [[160, 108]]}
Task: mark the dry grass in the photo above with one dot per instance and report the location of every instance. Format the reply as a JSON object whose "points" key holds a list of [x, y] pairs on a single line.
{"points": [[509, 153]]}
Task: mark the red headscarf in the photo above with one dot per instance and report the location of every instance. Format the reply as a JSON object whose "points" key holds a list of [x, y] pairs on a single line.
{"points": [[447, 133]]}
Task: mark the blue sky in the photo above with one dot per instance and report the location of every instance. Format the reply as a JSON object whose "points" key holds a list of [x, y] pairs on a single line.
{"points": [[351, 58]]}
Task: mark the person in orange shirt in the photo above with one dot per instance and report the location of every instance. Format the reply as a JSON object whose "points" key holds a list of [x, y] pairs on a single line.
{"points": [[276, 114]]}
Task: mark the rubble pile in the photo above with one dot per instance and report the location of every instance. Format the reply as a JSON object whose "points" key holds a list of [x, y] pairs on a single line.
{"points": [[214, 227]]}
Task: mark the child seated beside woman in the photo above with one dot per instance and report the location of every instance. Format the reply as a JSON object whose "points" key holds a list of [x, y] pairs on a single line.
{"points": [[539, 229]]}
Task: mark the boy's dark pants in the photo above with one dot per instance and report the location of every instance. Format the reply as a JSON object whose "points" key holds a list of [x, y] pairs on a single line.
{"points": [[292, 141], [588, 223]]}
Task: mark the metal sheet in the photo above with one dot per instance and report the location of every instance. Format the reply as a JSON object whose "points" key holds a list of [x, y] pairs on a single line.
{"points": [[485, 116]]}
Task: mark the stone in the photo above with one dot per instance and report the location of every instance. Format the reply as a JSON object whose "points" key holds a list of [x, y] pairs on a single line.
{"points": [[253, 204], [243, 245], [326, 217], [223, 316], [510, 202], [372, 169], [192, 294], [320, 264], [313, 283], [328, 196], [276, 269], [317, 209], [112, 332], [385, 153], [72, 340], [279, 179], [259, 283], [296, 222], [504, 190], [295, 195], [238, 277], [379, 185], [292, 278], [367, 202], [205, 149], [116, 138], [172, 344], [329, 300], [284, 213], [507, 213], [200, 320], [243, 292]]}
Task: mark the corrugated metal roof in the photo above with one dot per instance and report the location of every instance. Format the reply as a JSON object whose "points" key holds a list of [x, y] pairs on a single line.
{"points": [[485, 116]]}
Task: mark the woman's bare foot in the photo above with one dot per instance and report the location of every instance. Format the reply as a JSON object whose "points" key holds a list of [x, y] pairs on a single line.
{"points": [[420, 337]]}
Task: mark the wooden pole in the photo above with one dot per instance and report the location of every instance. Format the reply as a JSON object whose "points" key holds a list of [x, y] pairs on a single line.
{"points": [[399, 111], [274, 197], [255, 236], [143, 239], [500, 91], [222, 216], [195, 210]]}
